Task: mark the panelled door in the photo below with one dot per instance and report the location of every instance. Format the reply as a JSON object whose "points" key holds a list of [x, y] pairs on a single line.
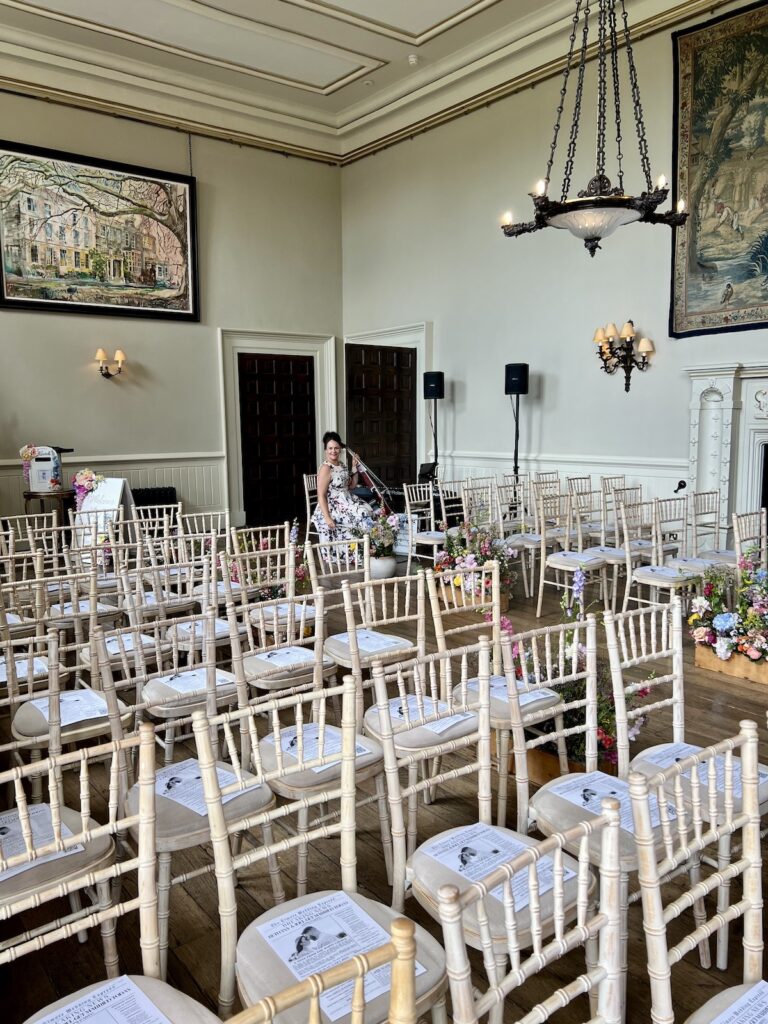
{"points": [[277, 432], [381, 410]]}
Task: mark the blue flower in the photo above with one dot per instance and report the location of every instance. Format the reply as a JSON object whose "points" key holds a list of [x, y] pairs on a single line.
{"points": [[725, 622], [761, 576]]}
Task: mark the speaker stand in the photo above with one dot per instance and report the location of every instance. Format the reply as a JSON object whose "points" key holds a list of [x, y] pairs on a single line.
{"points": [[516, 413], [434, 434]]}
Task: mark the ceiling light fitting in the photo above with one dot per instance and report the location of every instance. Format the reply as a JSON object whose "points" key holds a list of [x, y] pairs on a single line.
{"points": [[601, 207]]}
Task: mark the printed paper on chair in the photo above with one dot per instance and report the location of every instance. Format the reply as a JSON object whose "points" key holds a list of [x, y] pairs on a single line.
{"points": [[587, 790], [499, 691], [289, 744], [751, 1008], [194, 680], [288, 657], [428, 708], [326, 933], [117, 1002], [183, 783], [12, 840], [475, 851], [674, 752], [74, 706], [369, 641]]}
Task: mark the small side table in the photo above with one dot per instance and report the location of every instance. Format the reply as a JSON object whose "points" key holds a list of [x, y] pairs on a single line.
{"points": [[60, 500]]}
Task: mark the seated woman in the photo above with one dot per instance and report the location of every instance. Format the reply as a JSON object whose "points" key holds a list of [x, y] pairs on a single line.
{"points": [[339, 515]]}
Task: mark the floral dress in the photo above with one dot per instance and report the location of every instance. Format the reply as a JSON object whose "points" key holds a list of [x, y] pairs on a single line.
{"points": [[350, 514]]}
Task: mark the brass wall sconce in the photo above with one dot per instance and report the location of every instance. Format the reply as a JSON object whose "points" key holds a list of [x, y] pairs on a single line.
{"points": [[102, 359], [617, 349]]}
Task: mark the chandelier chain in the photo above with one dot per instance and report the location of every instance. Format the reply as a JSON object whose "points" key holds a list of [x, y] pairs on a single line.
{"points": [[601, 90], [563, 91], [568, 172], [616, 93], [636, 102]]}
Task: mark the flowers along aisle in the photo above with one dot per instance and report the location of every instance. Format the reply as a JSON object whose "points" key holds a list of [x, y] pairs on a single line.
{"points": [[729, 622]]}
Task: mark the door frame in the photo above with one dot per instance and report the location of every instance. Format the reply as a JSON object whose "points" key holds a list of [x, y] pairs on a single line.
{"points": [[418, 336], [321, 347]]}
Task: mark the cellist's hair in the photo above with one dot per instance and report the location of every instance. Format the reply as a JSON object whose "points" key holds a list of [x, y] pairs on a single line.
{"points": [[331, 435]]}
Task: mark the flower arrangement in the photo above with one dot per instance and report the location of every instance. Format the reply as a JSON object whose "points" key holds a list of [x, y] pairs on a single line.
{"points": [[382, 533], [85, 481], [740, 631], [471, 547], [26, 454]]}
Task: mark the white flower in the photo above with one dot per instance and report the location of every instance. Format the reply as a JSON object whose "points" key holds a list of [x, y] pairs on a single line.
{"points": [[699, 605], [723, 648]]}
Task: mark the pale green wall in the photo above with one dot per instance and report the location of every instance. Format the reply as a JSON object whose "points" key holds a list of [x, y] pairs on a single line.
{"points": [[270, 259], [421, 241]]}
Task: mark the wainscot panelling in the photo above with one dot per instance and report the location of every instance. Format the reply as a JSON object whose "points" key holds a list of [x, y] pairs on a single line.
{"points": [[659, 477], [199, 477]]}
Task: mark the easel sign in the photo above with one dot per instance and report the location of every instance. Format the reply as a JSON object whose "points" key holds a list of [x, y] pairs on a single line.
{"points": [[108, 495]]}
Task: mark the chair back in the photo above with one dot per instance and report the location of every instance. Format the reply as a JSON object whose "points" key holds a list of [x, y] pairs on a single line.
{"points": [[59, 829], [549, 477], [588, 517], [578, 484], [452, 510], [751, 534], [419, 506], [310, 498], [650, 638], [252, 539], [19, 526], [553, 660], [702, 801], [331, 563], [477, 591], [205, 523], [400, 952], [704, 510], [526, 895], [513, 499], [480, 504], [670, 521]]}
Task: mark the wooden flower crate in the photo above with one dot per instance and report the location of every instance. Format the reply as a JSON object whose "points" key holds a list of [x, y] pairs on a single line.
{"points": [[738, 666]]}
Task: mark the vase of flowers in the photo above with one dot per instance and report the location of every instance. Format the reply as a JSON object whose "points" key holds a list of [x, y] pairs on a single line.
{"points": [[83, 482], [382, 538], [733, 640], [472, 546]]}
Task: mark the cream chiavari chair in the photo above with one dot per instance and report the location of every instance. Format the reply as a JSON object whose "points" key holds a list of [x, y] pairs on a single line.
{"points": [[706, 528], [69, 853], [420, 517], [548, 477], [157, 520], [253, 539], [591, 516], [332, 563], [513, 497], [320, 764], [578, 484], [73, 605], [750, 533], [478, 592], [18, 526], [204, 523], [400, 952], [695, 818], [52, 542], [480, 502], [557, 510], [258, 574], [516, 906], [374, 610], [636, 519], [310, 500], [608, 486]]}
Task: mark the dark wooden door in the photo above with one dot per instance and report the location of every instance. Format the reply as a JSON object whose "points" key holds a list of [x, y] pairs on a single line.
{"points": [[381, 410], [277, 431]]}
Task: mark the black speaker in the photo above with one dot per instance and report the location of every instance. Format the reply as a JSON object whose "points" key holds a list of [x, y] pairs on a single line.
{"points": [[434, 384], [516, 379]]}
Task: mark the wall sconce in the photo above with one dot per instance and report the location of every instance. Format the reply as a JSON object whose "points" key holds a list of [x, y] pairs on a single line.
{"points": [[102, 359], [617, 349]]}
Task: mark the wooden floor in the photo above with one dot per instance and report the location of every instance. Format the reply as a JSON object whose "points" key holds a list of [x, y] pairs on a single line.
{"points": [[714, 707]]}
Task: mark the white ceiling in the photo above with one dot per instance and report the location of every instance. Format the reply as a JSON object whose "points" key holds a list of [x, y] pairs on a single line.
{"points": [[333, 79]]}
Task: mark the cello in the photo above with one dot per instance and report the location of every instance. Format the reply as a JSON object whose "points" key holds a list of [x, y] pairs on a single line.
{"points": [[371, 481]]}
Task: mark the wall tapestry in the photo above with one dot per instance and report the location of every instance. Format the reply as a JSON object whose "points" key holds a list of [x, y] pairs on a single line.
{"points": [[720, 257], [83, 236]]}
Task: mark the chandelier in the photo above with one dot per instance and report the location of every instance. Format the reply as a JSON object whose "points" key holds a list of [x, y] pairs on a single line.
{"points": [[601, 207]]}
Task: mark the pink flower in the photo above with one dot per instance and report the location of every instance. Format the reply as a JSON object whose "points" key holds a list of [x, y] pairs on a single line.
{"points": [[700, 634], [754, 654]]}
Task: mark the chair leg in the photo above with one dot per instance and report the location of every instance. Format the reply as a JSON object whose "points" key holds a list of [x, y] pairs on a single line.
{"points": [[386, 832], [624, 940], [562, 749], [412, 811], [439, 1012], [502, 761], [108, 932], [700, 912], [163, 908], [591, 958], [542, 573], [168, 744], [302, 826], [76, 905], [275, 876], [723, 899]]}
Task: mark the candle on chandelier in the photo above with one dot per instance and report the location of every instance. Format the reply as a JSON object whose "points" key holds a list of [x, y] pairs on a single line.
{"points": [[662, 182], [681, 206], [541, 187], [506, 218]]}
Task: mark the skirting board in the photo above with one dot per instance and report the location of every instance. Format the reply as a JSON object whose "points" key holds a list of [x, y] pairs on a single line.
{"points": [[659, 477], [198, 478]]}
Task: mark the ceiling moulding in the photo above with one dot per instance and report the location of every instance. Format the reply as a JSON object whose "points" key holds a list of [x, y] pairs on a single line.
{"points": [[365, 64], [380, 28], [32, 67]]}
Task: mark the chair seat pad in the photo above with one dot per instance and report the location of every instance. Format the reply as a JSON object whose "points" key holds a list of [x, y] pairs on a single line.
{"points": [[418, 736], [663, 576], [723, 556], [39, 665], [697, 565], [367, 764], [221, 589], [183, 632], [162, 695], [647, 763], [115, 650], [99, 853], [261, 671], [613, 556], [179, 827], [528, 540], [280, 613], [430, 537], [572, 560], [337, 647], [718, 1004], [427, 875], [639, 543], [65, 614], [177, 1007], [30, 721], [260, 971], [530, 700]]}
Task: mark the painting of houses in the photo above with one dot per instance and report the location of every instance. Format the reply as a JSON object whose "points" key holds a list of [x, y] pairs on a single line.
{"points": [[82, 236], [720, 257]]}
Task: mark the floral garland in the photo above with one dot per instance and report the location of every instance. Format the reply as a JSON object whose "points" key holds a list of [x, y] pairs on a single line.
{"points": [[85, 481], [743, 630], [470, 547]]}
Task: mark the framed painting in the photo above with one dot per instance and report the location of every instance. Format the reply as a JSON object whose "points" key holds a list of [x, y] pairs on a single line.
{"points": [[80, 235], [720, 256]]}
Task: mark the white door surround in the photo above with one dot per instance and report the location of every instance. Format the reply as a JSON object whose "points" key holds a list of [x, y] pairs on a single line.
{"points": [[323, 350], [729, 433], [418, 336]]}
